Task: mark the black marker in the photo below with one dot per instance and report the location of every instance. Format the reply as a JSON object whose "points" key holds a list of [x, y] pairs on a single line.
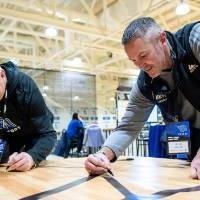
{"points": [[110, 172]]}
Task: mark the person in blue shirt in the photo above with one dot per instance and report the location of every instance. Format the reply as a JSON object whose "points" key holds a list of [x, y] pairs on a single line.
{"points": [[74, 133]]}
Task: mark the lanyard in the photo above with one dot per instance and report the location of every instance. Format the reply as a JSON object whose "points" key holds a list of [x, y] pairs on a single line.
{"points": [[5, 104], [4, 109]]}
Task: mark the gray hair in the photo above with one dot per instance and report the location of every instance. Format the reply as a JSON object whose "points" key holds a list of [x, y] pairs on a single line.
{"points": [[140, 28]]}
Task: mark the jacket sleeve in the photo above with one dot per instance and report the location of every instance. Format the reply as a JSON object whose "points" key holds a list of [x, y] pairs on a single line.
{"points": [[137, 112], [194, 41], [41, 119]]}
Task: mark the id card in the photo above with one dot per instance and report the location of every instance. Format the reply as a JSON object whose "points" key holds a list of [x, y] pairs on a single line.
{"points": [[176, 147], [178, 137], [2, 147], [4, 151]]}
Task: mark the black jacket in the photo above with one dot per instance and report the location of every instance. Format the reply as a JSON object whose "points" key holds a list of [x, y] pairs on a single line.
{"points": [[27, 120]]}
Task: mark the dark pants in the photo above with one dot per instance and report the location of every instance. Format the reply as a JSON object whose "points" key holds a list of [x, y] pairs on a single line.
{"points": [[73, 142], [68, 142], [80, 142], [60, 146]]}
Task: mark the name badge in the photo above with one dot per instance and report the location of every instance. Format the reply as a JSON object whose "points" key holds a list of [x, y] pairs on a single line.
{"points": [[2, 149], [178, 137]]}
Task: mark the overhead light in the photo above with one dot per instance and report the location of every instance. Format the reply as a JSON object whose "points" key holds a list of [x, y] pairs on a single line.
{"points": [[183, 8], [51, 32], [60, 15], [112, 99], [77, 62], [45, 87], [76, 98]]}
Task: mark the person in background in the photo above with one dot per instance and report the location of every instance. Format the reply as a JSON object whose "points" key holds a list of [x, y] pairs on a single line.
{"points": [[169, 78], [83, 122], [60, 146], [75, 132], [93, 139], [26, 132]]}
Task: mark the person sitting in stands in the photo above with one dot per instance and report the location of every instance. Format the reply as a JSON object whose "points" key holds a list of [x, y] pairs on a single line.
{"points": [[74, 132]]}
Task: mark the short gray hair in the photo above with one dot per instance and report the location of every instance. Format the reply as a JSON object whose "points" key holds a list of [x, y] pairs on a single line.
{"points": [[139, 28]]}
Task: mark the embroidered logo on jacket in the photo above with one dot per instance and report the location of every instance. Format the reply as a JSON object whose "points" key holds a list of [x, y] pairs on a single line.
{"points": [[192, 68], [8, 126], [161, 98]]}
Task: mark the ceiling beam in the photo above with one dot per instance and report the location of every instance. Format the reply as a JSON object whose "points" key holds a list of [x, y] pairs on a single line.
{"points": [[4, 54], [27, 32], [7, 29], [41, 43], [57, 23], [108, 62], [49, 7]]}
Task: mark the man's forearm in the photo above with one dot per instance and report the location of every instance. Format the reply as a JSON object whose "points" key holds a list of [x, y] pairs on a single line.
{"points": [[43, 147]]}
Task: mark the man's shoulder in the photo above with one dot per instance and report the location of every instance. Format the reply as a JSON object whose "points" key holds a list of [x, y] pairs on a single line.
{"points": [[25, 83], [194, 41], [195, 33], [25, 88], [186, 29]]}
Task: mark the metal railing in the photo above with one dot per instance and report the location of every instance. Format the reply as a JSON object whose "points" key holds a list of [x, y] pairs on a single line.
{"points": [[138, 147]]}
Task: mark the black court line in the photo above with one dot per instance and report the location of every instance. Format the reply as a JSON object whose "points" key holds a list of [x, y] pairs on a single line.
{"points": [[166, 193], [128, 194], [58, 189], [117, 185], [158, 195]]}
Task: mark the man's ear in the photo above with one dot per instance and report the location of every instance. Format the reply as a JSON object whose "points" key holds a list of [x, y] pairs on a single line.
{"points": [[163, 38], [2, 73]]}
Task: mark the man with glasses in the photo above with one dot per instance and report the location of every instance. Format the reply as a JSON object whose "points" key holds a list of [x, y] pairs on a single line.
{"points": [[169, 78], [26, 132]]}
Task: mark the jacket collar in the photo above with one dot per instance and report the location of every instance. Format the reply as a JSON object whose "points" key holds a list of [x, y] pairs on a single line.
{"points": [[177, 52]]}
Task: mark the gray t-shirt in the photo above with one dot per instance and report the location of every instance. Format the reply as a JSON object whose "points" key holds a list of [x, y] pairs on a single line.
{"points": [[139, 107], [193, 115]]}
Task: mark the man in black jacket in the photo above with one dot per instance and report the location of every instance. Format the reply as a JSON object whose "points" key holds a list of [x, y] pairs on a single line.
{"points": [[169, 78], [25, 121]]}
